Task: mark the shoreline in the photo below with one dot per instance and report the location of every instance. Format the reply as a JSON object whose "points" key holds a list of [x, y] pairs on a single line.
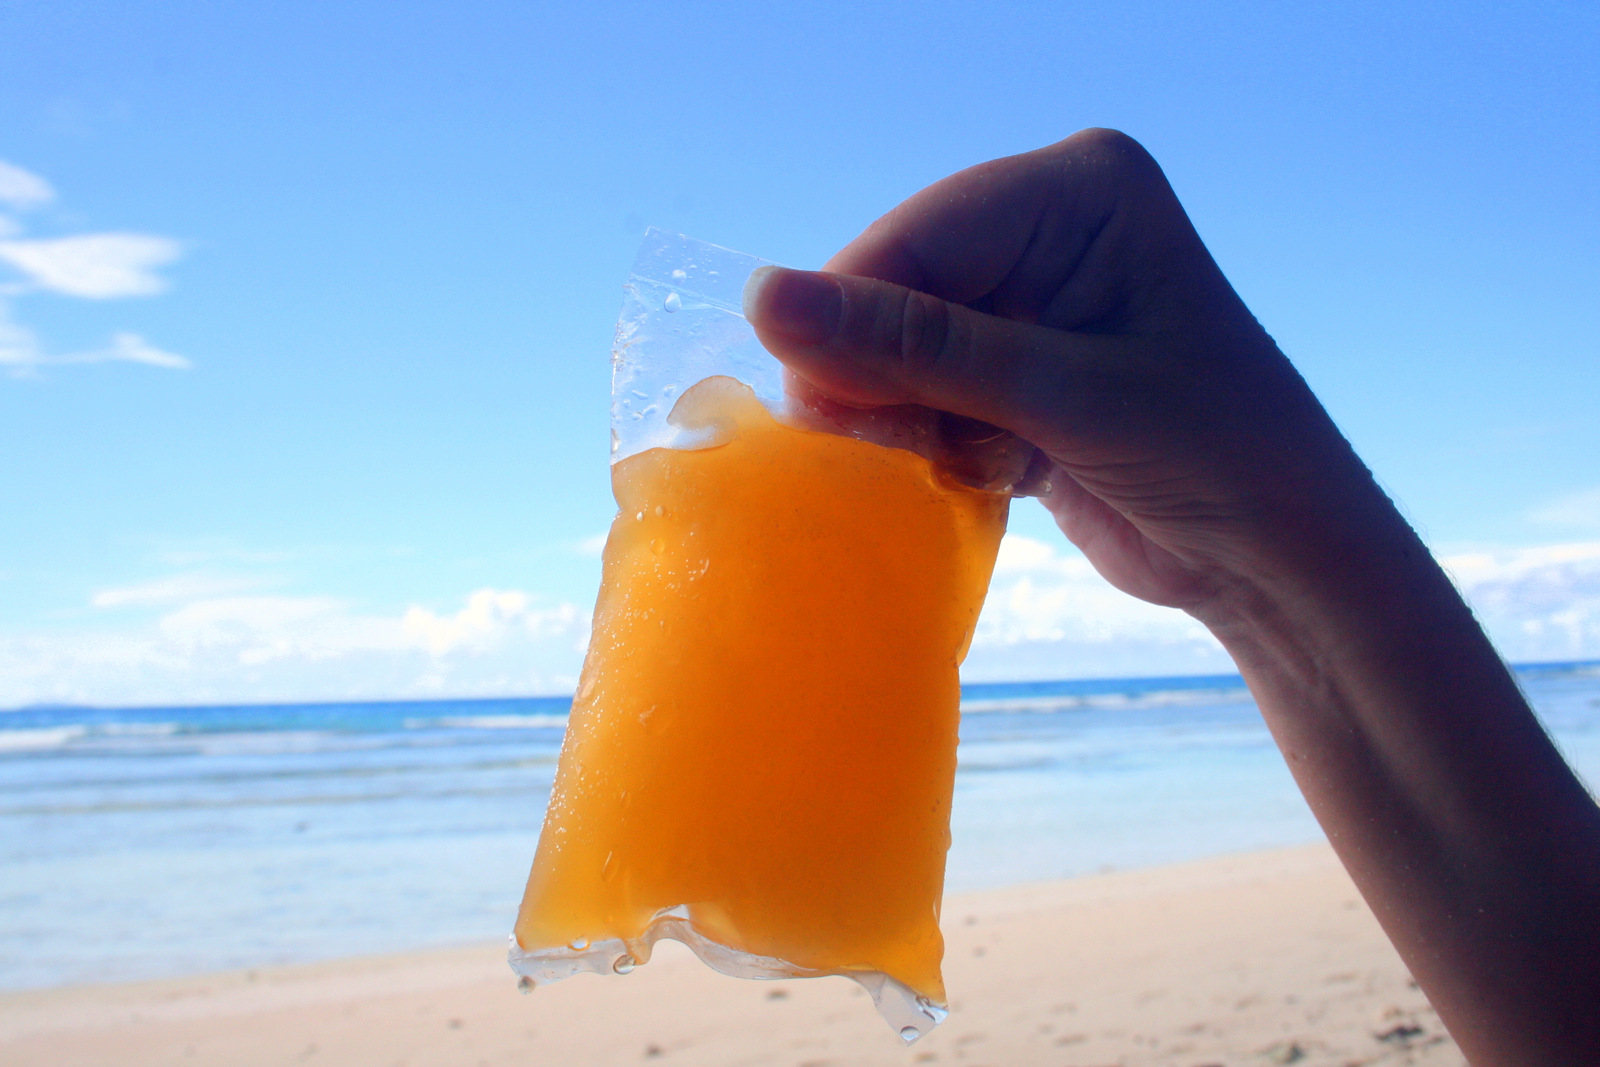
{"points": [[1262, 957]]}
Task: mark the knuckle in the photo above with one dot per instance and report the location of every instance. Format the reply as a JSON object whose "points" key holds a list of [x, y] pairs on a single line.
{"points": [[925, 333], [1112, 147]]}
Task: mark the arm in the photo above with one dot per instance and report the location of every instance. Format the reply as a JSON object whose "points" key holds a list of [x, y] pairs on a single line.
{"points": [[1063, 295], [1477, 849]]}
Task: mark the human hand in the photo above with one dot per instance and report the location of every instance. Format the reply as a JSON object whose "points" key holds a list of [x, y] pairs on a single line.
{"points": [[1063, 295]]}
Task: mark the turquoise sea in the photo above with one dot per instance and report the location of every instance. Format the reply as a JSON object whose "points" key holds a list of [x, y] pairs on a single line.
{"points": [[144, 842]]}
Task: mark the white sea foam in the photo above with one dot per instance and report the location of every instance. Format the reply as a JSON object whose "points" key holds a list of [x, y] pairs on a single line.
{"points": [[38, 738]]}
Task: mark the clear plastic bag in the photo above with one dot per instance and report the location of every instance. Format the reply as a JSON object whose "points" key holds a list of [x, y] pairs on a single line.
{"points": [[682, 321], [761, 752]]}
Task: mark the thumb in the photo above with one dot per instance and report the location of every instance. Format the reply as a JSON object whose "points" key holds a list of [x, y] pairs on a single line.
{"points": [[867, 342]]}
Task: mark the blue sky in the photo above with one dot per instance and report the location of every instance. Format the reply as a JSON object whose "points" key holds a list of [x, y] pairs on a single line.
{"points": [[305, 308]]}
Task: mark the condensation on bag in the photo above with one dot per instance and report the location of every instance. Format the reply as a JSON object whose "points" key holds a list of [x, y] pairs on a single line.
{"points": [[761, 752]]}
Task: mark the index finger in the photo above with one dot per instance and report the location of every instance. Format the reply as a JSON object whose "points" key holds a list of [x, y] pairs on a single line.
{"points": [[1001, 236]]}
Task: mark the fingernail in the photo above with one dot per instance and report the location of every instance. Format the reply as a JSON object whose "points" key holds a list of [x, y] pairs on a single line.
{"points": [[801, 305]]}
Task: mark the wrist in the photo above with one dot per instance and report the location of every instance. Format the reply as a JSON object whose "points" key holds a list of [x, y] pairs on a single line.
{"points": [[1341, 583]]}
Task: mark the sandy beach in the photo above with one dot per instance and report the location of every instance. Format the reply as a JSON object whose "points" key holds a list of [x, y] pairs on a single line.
{"points": [[1263, 958]]}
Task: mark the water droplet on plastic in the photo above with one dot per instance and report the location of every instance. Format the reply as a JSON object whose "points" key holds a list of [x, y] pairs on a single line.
{"points": [[909, 1034], [608, 869], [669, 390], [673, 302], [616, 442], [654, 721], [525, 984], [624, 964], [579, 944], [678, 274], [660, 510], [927, 1008], [638, 516], [658, 546]]}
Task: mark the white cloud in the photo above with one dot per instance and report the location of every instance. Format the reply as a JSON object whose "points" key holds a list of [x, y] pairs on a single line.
{"points": [[1573, 509], [128, 348], [1020, 554], [1050, 614], [95, 266], [204, 638], [1041, 593], [205, 647], [489, 619], [178, 587], [260, 629], [92, 266], [1539, 603], [23, 189], [22, 355], [1495, 568]]}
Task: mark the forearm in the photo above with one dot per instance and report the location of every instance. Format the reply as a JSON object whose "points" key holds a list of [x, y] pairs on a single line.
{"points": [[1477, 848]]}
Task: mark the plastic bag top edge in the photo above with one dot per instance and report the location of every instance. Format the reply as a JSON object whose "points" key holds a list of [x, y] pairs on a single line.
{"points": [[701, 273], [682, 321]]}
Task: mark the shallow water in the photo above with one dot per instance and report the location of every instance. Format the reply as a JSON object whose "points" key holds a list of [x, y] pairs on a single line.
{"points": [[160, 841]]}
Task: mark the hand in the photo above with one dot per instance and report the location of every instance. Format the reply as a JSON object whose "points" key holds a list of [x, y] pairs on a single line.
{"points": [[1063, 295]]}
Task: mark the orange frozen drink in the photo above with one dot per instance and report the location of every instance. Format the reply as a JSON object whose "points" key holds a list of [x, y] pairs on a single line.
{"points": [[762, 748]]}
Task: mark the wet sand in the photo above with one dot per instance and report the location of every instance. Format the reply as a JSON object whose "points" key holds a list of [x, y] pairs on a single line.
{"points": [[1265, 958]]}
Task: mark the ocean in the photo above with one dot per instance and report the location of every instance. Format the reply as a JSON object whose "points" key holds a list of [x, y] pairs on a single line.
{"points": [[150, 842]]}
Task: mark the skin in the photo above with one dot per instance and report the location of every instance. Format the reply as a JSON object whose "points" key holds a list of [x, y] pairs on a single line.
{"points": [[1064, 296]]}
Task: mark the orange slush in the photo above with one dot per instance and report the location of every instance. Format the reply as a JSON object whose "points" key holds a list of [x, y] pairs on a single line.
{"points": [[765, 730]]}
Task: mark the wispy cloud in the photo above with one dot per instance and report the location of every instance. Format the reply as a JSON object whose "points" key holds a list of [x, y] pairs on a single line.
{"points": [[92, 266], [23, 189], [128, 348], [22, 355], [95, 266], [221, 553], [171, 590], [1579, 509]]}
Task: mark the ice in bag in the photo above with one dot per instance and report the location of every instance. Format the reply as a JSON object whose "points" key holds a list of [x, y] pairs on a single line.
{"points": [[762, 748]]}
